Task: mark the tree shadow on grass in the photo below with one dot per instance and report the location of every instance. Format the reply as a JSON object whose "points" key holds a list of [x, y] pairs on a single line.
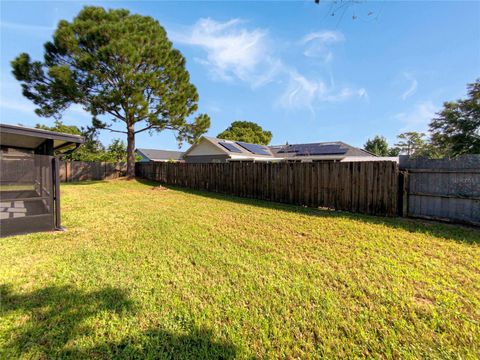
{"points": [[97, 181], [162, 344], [45, 324], [459, 233]]}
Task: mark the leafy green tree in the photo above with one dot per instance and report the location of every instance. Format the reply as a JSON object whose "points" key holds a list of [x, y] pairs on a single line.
{"points": [[410, 143], [393, 151], [429, 150], [456, 129], [91, 150], [59, 126], [115, 64], [379, 146], [246, 131], [117, 150]]}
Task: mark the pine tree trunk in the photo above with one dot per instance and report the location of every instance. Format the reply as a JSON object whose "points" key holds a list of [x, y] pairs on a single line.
{"points": [[130, 151]]}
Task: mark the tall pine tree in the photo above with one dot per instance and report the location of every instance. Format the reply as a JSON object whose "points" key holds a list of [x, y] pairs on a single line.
{"points": [[119, 65]]}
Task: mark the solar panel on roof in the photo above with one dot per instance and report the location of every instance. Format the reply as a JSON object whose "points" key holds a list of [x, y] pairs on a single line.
{"points": [[287, 149], [321, 150], [315, 149], [253, 148], [230, 147]]}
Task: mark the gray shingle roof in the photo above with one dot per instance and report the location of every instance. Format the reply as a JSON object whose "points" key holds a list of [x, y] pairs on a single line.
{"points": [[156, 155]]}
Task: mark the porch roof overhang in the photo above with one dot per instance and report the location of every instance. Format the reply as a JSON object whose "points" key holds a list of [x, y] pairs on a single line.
{"points": [[30, 138]]}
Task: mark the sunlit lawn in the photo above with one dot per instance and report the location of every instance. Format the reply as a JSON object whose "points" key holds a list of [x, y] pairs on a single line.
{"points": [[145, 272]]}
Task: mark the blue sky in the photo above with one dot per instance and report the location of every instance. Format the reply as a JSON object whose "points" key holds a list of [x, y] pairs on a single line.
{"points": [[293, 68]]}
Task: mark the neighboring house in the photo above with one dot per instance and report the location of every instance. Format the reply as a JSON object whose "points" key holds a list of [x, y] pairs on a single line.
{"points": [[153, 155], [210, 149], [213, 150]]}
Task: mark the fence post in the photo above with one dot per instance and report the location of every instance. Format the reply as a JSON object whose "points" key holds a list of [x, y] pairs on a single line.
{"points": [[56, 192], [66, 170], [404, 192]]}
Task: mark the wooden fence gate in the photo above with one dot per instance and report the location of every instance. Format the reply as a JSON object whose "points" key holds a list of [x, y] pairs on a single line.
{"points": [[444, 189]]}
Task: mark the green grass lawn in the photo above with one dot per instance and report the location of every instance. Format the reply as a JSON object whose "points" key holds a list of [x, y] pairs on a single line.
{"points": [[151, 273]]}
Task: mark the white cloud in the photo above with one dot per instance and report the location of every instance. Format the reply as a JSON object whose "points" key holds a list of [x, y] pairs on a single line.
{"points": [[344, 94], [412, 89], [26, 27], [362, 93], [305, 93], [418, 118], [12, 104], [317, 44], [25, 106], [232, 51], [12, 100], [301, 92], [325, 37]]}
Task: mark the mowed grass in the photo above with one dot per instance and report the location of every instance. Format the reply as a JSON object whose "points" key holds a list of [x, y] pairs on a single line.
{"points": [[149, 273]]}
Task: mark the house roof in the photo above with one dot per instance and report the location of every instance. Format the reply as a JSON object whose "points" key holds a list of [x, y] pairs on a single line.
{"points": [[334, 148], [241, 147], [237, 148], [31, 138], [156, 155]]}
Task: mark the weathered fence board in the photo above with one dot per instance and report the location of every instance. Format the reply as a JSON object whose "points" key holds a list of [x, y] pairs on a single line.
{"points": [[95, 170], [443, 189], [365, 187]]}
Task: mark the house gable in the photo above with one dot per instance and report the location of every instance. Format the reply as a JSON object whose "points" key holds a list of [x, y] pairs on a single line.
{"points": [[205, 147]]}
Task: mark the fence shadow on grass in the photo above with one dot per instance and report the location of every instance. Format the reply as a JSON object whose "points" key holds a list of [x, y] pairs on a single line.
{"points": [[86, 182], [459, 233], [81, 183], [49, 320]]}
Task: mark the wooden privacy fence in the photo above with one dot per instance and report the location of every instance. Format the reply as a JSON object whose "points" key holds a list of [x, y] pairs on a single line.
{"points": [[442, 189], [95, 170], [364, 187]]}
